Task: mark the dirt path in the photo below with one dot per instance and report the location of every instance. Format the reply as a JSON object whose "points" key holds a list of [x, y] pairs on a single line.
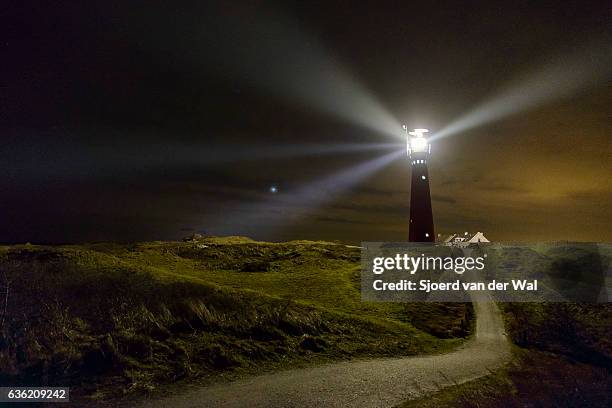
{"points": [[368, 383]]}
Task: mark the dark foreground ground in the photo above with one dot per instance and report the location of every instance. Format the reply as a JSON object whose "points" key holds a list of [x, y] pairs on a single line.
{"points": [[120, 321], [563, 353], [562, 358], [371, 383]]}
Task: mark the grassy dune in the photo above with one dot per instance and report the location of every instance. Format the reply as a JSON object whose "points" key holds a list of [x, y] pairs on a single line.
{"points": [[563, 350], [111, 319], [563, 359], [534, 379]]}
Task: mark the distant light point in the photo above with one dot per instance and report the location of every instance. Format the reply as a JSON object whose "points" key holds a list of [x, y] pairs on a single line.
{"points": [[273, 189]]}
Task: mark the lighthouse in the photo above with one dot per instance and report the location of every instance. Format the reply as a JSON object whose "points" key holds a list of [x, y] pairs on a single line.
{"points": [[421, 228]]}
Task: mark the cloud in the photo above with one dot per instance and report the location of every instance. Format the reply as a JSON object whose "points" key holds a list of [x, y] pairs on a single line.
{"points": [[590, 196], [340, 220], [443, 199]]}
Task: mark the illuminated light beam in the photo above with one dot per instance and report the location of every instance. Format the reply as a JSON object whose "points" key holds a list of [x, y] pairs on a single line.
{"points": [[300, 150], [307, 74], [329, 187], [269, 51], [269, 216], [275, 56], [561, 77], [203, 156], [127, 155]]}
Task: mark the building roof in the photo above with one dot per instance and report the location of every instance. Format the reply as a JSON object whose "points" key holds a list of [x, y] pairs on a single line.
{"points": [[478, 237], [466, 237]]}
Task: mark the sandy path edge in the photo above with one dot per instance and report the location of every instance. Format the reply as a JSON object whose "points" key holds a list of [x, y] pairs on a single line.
{"points": [[384, 382]]}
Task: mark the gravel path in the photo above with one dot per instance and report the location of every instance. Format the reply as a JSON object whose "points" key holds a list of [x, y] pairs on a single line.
{"points": [[368, 383]]}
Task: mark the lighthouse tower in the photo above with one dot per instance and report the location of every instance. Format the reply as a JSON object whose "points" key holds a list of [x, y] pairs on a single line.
{"points": [[421, 227]]}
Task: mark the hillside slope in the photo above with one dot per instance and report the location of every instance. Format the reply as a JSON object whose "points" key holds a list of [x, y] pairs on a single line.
{"points": [[365, 384], [110, 319]]}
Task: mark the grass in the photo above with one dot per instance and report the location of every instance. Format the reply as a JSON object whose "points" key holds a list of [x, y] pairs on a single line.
{"points": [[578, 331], [563, 351], [111, 320], [562, 359], [534, 379]]}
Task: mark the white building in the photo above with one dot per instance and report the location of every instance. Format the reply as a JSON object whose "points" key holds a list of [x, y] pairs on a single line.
{"points": [[465, 239]]}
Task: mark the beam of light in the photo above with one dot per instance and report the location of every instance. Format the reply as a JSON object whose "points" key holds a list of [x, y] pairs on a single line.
{"points": [[269, 51], [561, 77], [70, 159], [294, 150], [199, 155], [273, 214], [273, 54]]}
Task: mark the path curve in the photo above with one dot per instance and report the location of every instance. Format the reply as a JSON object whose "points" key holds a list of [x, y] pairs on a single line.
{"points": [[384, 382]]}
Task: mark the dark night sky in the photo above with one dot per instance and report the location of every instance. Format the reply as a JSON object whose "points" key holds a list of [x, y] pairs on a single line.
{"points": [[150, 120]]}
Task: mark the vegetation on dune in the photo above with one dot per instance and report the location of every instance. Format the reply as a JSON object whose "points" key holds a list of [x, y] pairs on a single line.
{"points": [[578, 331], [564, 350], [535, 379], [563, 359], [316, 273], [110, 319]]}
